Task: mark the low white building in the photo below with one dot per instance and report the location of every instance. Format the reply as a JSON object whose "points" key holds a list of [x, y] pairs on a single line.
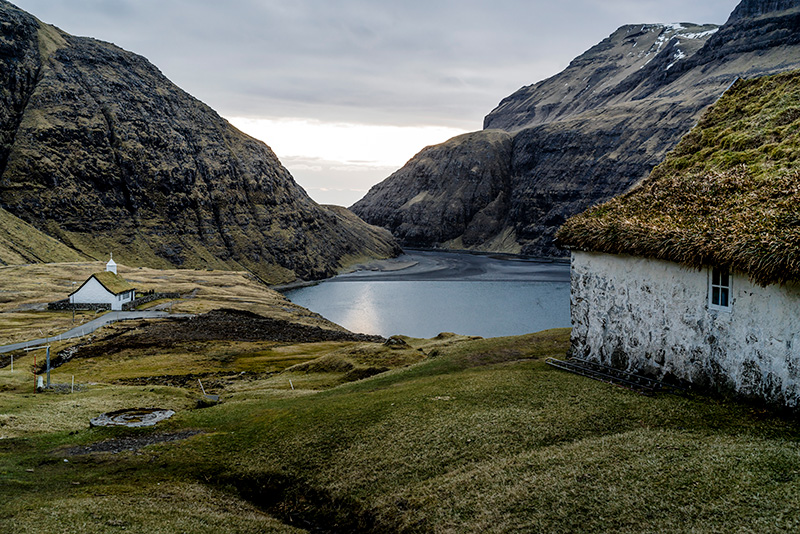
{"points": [[695, 273], [705, 326], [105, 287]]}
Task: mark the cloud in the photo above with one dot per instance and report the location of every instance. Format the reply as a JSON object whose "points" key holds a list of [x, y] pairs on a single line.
{"points": [[331, 182], [444, 62], [338, 162], [345, 92], [360, 145]]}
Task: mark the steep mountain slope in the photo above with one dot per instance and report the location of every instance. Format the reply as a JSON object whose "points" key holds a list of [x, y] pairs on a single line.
{"points": [[633, 56], [582, 136], [22, 243], [103, 152]]}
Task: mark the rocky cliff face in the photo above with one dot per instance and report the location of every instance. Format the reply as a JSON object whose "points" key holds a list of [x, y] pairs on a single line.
{"points": [[467, 179], [582, 136], [103, 152], [756, 8]]}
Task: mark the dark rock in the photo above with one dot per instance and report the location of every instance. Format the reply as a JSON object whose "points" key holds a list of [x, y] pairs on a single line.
{"points": [[396, 342], [436, 196], [100, 150], [555, 148], [756, 8]]}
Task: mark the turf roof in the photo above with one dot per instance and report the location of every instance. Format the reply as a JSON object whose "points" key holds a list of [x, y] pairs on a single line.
{"points": [[113, 282], [727, 195]]}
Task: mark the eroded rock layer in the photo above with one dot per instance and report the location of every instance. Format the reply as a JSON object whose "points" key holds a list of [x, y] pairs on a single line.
{"points": [[101, 151], [555, 148]]}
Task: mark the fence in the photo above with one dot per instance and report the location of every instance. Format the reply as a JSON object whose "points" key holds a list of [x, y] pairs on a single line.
{"points": [[66, 305]]}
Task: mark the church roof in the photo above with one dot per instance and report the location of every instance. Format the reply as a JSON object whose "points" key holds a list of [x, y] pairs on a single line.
{"points": [[114, 283]]}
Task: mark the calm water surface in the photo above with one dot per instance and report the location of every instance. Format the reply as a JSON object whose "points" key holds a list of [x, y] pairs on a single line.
{"points": [[421, 294]]}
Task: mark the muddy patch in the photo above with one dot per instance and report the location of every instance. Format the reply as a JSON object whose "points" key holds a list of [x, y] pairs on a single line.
{"points": [[130, 443], [211, 381]]}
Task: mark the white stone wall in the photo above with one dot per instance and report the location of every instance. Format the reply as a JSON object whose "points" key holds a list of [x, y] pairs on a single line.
{"points": [[93, 292], [653, 316]]}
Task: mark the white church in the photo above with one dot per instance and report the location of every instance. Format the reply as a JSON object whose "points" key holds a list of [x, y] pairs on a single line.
{"points": [[105, 287]]}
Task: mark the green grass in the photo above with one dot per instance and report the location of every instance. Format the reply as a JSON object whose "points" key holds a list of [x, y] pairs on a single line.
{"points": [[480, 436], [22, 243]]}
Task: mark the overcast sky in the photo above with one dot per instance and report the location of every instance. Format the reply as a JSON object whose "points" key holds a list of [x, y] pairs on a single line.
{"points": [[345, 91]]}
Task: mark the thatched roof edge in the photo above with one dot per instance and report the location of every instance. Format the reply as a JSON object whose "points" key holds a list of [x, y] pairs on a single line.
{"points": [[728, 195]]}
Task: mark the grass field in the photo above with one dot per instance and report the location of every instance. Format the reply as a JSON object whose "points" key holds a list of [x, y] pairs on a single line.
{"points": [[453, 434], [471, 435], [26, 289]]}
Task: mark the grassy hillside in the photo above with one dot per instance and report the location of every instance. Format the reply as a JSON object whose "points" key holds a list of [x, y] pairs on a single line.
{"points": [[476, 436], [22, 243]]}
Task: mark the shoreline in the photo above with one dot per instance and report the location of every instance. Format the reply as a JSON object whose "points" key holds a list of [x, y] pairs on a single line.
{"points": [[447, 265], [429, 265]]}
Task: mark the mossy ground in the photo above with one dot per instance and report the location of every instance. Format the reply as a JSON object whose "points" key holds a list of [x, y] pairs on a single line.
{"points": [[450, 434], [472, 435]]}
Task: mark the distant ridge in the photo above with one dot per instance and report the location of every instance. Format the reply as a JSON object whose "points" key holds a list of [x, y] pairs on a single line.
{"points": [[99, 150], [554, 148], [756, 8]]}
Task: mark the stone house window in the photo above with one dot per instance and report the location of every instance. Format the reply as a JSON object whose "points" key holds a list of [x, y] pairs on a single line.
{"points": [[719, 289]]}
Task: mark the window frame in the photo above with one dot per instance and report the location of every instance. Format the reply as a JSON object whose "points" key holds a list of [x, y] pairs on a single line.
{"points": [[724, 275]]}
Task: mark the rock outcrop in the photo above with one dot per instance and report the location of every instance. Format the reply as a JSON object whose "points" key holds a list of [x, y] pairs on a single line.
{"points": [[101, 151], [581, 137]]}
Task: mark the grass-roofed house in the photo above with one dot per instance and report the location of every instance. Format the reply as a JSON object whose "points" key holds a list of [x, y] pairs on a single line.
{"points": [[695, 273], [105, 287]]}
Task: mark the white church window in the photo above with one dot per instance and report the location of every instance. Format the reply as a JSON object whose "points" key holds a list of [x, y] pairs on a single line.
{"points": [[719, 294]]}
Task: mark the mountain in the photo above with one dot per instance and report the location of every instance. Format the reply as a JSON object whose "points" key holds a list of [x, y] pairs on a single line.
{"points": [[555, 148], [22, 243], [99, 150], [728, 194]]}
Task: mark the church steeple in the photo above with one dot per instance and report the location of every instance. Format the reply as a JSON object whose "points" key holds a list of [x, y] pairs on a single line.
{"points": [[111, 266]]}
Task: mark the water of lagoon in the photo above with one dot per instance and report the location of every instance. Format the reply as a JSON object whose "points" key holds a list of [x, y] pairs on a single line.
{"points": [[421, 294]]}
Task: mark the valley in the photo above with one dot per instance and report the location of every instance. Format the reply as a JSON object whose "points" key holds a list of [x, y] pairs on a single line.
{"points": [[345, 419]]}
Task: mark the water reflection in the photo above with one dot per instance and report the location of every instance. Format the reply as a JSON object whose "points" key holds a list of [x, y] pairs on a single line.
{"points": [[360, 310], [425, 308], [421, 294]]}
